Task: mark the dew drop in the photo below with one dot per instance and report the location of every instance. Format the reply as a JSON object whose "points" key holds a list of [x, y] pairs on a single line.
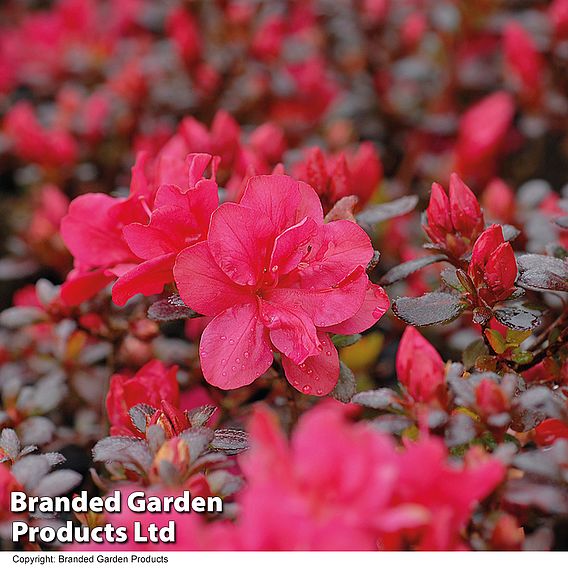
{"points": [[275, 268], [310, 371], [224, 373], [223, 361], [223, 337], [328, 353], [377, 313], [306, 389], [233, 368], [237, 360], [320, 391], [246, 354], [231, 341], [295, 383], [243, 367]]}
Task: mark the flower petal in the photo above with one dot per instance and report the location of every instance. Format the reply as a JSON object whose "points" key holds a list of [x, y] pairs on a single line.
{"points": [[234, 350], [342, 247], [240, 241], [90, 233], [374, 307], [202, 285], [292, 332], [162, 235], [317, 375], [282, 200], [326, 306], [199, 202], [292, 245], [147, 278], [82, 286]]}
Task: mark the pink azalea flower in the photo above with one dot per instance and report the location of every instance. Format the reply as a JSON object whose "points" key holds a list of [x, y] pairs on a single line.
{"points": [[334, 481], [180, 217], [136, 239], [274, 277], [447, 493]]}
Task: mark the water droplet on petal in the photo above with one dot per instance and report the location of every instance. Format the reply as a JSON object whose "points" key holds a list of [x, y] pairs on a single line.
{"points": [[237, 360], [320, 391], [295, 383], [246, 354], [224, 373], [306, 389], [310, 371], [275, 268], [233, 368], [328, 353], [223, 337], [231, 341]]}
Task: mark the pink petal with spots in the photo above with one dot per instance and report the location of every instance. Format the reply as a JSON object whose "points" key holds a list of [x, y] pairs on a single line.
{"points": [[317, 375], [292, 245], [234, 349], [327, 306], [374, 307], [203, 286], [292, 332], [240, 241], [341, 247]]}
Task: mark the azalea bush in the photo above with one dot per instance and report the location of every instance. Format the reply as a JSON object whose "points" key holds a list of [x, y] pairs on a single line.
{"points": [[310, 257]]}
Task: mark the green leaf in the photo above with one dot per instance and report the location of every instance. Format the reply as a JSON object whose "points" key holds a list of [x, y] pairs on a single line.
{"points": [[384, 211], [378, 399], [473, 351], [346, 386], [522, 357], [517, 317], [496, 340], [405, 269], [541, 272], [170, 310], [430, 309], [341, 341]]}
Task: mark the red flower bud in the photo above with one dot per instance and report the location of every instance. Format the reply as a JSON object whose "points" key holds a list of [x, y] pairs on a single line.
{"points": [[419, 366], [465, 211], [493, 267], [152, 384], [172, 420], [438, 215], [454, 222]]}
